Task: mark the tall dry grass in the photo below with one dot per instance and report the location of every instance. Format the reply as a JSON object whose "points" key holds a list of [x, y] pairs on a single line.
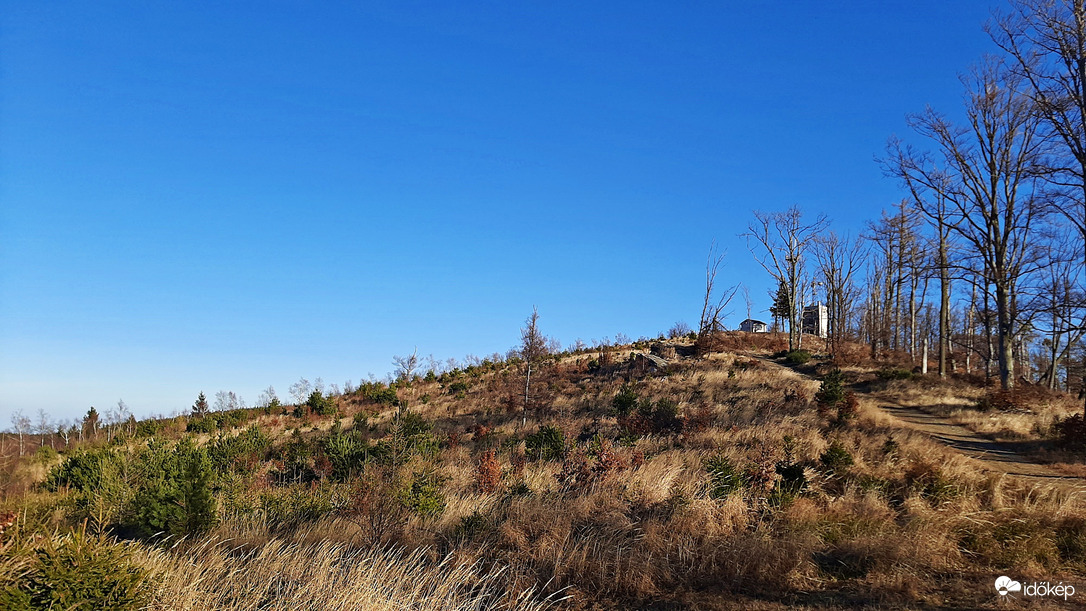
{"points": [[277, 574]]}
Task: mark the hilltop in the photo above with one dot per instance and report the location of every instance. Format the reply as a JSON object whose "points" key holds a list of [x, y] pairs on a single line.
{"points": [[646, 475]]}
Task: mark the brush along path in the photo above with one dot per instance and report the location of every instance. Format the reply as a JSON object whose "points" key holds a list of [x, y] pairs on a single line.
{"points": [[994, 456]]}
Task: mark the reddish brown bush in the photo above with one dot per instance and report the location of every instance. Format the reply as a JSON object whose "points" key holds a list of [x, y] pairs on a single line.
{"points": [[481, 432], [322, 466], [635, 424], [488, 472], [519, 461], [697, 420], [608, 460], [575, 471], [453, 438], [1023, 397], [796, 397]]}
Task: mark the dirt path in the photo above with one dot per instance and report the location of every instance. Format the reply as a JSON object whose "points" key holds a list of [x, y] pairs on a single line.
{"points": [[997, 456]]}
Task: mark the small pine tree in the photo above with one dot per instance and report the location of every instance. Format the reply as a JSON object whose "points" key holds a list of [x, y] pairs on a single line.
{"points": [[174, 494], [90, 423], [195, 487], [200, 408], [832, 391], [780, 310]]}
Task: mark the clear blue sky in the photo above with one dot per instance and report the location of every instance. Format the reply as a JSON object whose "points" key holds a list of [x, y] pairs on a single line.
{"points": [[223, 196]]}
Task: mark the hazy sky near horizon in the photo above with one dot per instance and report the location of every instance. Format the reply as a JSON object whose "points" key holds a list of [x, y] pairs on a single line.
{"points": [[226, 196]]}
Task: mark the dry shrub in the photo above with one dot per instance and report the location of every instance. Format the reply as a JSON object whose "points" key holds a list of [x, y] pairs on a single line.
{"points": [[481, 432], [519, 462], [851, 353], [697, 420], [453, 439], [488, 472], [848, 409], [738, 340], [575, 472], [374, 508]]}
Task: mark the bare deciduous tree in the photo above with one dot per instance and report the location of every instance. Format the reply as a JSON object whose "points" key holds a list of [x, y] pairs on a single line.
{"points": [[299, 391], [896, 237], [225, 401], [44, 427], [989, 170], [838, 261], [20, 423], [677, 330], [1046, 41], [406, 366], [713, 304], [267, 398], [783, 239], [65, 430], [1060, 307]]}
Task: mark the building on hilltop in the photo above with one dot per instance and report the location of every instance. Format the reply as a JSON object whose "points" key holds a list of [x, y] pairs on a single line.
{"points": [[753, 326], [816, 320]]}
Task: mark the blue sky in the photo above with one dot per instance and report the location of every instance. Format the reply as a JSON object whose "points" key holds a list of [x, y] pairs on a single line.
{"points": [[223, 196]]}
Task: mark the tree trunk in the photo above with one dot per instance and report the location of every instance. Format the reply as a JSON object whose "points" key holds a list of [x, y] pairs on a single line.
{"points": [[944, 303], [527, 381], [1005, 327]]}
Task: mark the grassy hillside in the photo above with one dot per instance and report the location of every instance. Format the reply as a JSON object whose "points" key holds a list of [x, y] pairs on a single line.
{"points": [[735, 480]]}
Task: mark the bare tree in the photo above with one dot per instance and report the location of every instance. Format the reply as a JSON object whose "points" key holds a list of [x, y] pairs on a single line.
{"points": [[110, 421], [896, 237], [65, 430], [1060, 309], [406, 366], [838, 261], [20, 423], [782, 239], [748, 301], [989, 169], [714, 304], [225, 401], [299, 391], [124, 417], [44, 427], [931, 198], [1046, 41], [268, 398]]}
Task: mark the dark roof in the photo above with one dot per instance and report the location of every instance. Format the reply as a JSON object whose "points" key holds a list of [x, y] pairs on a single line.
{"points": [[752, 320]]}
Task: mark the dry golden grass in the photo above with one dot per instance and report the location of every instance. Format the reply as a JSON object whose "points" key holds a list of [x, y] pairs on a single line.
{"points": [[220, 575]]}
